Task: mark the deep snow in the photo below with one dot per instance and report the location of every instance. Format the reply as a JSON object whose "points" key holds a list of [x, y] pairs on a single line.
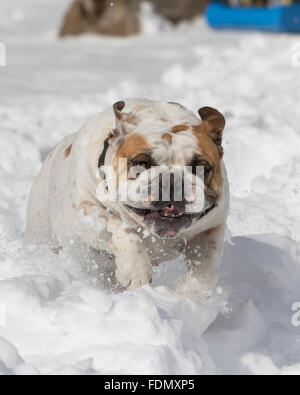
{"points": [[56, 319]]}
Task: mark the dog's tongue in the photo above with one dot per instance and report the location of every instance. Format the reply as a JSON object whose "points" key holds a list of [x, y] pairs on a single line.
{"points": [[170, 211]]}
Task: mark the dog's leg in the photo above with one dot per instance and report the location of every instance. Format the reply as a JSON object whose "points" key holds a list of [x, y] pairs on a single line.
{"points": [[132, 260], [38, 230], [203, 255]]}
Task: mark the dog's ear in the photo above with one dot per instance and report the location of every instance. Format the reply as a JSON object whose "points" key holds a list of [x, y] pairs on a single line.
{"points": [[213, 125], [125, 122]]}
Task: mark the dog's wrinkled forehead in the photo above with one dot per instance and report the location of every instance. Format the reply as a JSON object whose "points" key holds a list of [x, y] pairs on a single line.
{"points": [[144, 116], [157, 120], [170, 113], [169, 131], [165, 128], [166, 134]]}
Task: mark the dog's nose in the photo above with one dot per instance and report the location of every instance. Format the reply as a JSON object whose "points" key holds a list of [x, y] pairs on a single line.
{"points": [[159, 205], [171, 192]]}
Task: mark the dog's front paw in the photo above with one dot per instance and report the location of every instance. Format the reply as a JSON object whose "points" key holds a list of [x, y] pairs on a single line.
{"points": [[138, 282], [134, 276], [194, 289]]}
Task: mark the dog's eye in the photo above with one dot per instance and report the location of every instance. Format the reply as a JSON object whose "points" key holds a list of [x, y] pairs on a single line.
{"points": [[137, 167], [145, 165], [198, 162], [142, 160], [207, 170]]}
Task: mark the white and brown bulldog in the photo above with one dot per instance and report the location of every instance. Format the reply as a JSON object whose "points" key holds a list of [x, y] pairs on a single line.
{"points": [[77, 196]]}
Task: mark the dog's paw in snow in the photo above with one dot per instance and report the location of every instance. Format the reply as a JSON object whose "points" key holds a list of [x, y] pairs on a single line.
{"points": [[195, 289], [134, 276]]}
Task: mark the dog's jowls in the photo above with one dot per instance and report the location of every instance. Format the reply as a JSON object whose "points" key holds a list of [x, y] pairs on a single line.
{"points": [[146, 146]]}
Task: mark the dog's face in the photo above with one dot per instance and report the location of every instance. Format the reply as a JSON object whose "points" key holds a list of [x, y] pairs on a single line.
{"points": [[165, 153]]}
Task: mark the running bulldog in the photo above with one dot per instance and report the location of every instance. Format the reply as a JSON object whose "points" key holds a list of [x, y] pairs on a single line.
{"points": [[105, 186]]}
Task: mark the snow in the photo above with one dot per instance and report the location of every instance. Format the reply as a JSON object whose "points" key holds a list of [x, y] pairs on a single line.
{"points": [[54, 319]]}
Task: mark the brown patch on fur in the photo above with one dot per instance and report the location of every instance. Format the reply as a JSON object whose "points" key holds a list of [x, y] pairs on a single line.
{"points": [[133, 145], [167, 137], [131, 118], [73, 205], [68, 150], [213, 125], [208, 150], [123, 116], [85, 205], [206, 128], [180, 128]]}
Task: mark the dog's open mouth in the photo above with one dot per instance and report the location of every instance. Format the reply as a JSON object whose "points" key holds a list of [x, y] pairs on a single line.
{"points": [[168, 221], [169, 211]]}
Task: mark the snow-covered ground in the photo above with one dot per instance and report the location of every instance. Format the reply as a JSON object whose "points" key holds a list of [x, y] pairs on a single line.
{"points": [[53, 319]]}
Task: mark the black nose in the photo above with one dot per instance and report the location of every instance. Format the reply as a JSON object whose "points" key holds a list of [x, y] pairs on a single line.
{"points": [[171, 192]]}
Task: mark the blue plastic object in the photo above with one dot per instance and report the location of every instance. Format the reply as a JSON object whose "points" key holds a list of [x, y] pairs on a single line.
{"points": [[280, 19]]}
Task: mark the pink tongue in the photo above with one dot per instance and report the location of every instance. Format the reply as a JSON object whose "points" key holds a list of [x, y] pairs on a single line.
{"points": [[169, 211], [172, 233]]}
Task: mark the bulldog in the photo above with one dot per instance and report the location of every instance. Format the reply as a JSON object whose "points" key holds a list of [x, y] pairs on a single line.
{"points": [[105, 187]]}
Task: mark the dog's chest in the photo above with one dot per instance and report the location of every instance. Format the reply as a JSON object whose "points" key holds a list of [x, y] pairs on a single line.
{"points": [[162, 250]]}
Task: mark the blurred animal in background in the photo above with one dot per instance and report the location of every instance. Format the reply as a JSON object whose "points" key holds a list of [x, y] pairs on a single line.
{"points": [[122, 17], [119, 18]]}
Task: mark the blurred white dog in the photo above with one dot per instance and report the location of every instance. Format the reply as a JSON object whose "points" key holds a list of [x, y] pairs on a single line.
{"points": [[71, 200]]}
